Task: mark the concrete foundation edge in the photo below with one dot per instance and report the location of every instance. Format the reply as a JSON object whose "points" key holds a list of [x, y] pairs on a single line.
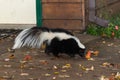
{"points": [[16, 26]]}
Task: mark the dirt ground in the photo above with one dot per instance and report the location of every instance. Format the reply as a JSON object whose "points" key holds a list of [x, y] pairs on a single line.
{"points": [[34, 64]]}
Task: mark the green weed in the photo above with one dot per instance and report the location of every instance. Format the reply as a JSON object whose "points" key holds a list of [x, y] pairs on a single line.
{"points": [[113, 29]]}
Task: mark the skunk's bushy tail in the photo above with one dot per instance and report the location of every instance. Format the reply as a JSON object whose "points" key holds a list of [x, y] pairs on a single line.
{"points": [[30, 37]]}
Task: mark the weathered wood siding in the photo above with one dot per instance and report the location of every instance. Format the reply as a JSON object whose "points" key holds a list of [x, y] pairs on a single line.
{"points": [[68, 14], [104, 9], [107, 7]]}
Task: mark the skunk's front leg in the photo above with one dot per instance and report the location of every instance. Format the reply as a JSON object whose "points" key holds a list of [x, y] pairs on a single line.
{"points": [[47, 50], [55, 54]]}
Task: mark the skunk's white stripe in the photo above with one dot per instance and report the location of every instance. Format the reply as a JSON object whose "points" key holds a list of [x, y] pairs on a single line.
{"points": [[61, 36], [79, 43], [25, 38]]}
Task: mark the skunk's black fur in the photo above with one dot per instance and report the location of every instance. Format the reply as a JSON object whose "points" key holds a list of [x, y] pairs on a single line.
{"points": [[57, 41], [68, 46]]}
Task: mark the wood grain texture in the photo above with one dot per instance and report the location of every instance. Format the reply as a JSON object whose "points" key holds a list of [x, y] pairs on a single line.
{"points": [[66, 24], [62, 11]]}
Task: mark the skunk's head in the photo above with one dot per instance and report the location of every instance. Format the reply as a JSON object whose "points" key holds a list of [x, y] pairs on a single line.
{"points": [[82, 52], [81, 47]]}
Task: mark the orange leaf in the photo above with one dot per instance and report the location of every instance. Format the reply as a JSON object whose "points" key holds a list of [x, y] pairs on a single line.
{"points": [[27, 57], [96, 53], [88, 55], [113, 34]]}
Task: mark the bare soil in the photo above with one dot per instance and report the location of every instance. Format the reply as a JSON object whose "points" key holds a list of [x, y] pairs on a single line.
{"points": [[34, 64]]}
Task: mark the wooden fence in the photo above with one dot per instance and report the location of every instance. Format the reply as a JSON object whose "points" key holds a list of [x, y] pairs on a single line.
{"points": [[106, 8], [68, 14], [73, 14]]}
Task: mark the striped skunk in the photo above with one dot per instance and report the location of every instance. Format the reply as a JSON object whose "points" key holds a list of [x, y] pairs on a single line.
{"points": [[56, 40], [68, 46]]}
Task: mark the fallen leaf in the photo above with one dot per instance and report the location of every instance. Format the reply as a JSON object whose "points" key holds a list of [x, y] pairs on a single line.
{"points": [[27, 57], [103, 42], [103, 78], [63, 71], [113, 34], [91, 59], [43, 62], [64, 76], [112, 77], [11, 56], [85, 68], [106, 64], [88, 55], [79, 74], [11, 50], [54, 78], [56, 73], [7, 65], [6, 78], [96, 53], [22, 64], [66, 66], [117, 76], [110, 44], [55, 67], [47, 75], [24, 74], [7, 59], [90, 69]]}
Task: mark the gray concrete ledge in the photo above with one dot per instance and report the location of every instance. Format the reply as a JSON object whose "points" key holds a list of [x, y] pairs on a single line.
{"points": [[16, 26]]}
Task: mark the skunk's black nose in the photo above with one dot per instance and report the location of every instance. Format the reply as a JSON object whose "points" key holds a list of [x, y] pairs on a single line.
{"points": [[82, 52]]}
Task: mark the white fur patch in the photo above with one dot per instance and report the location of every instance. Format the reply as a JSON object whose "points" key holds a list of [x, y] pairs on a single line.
{"points": [[79, 43], [18, 43], [61, 36], [23, 39]]}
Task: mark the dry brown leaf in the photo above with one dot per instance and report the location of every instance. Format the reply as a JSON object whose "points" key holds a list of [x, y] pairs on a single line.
{"points": [[43, 62], [66, 66], [55, 67], [56, 73], [24, 74], [47, 75], [7, 65]]}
